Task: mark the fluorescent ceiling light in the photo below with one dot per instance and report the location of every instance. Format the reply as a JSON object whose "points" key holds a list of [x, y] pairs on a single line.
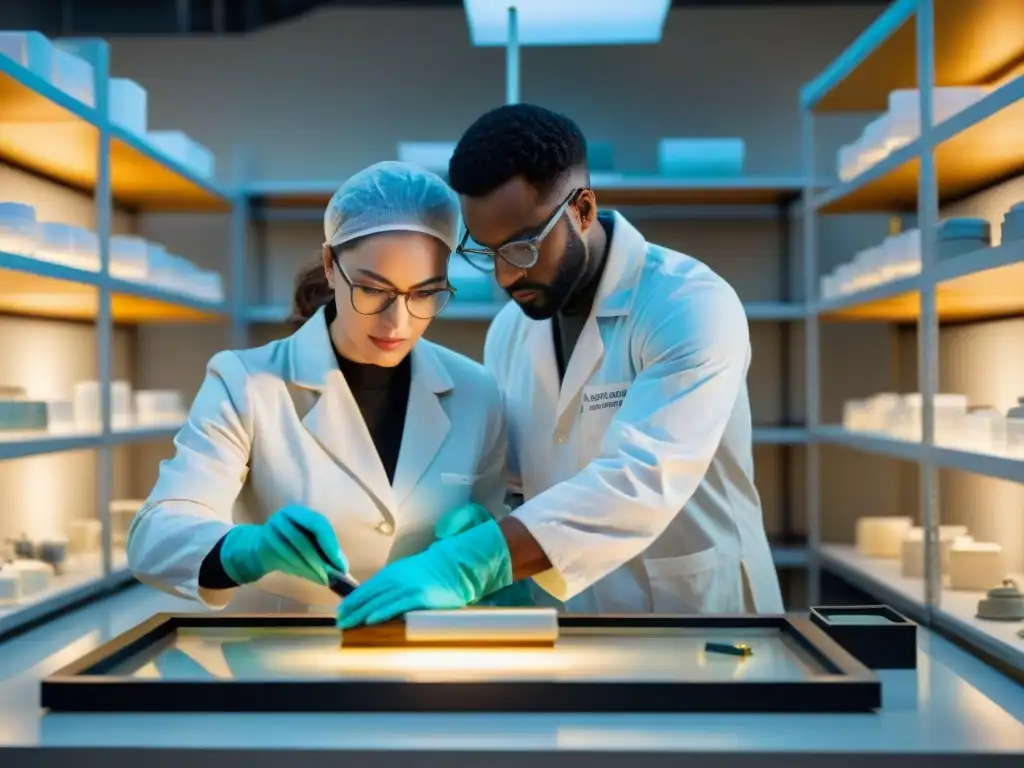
{"points": [[567, 22]]}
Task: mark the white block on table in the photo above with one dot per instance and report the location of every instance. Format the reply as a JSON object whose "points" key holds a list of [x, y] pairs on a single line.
{"points": [[483, 625], [701, 157], [32, 50], [128, 257], [128, 105], [881, 536], [912, 549], [976, 566]]}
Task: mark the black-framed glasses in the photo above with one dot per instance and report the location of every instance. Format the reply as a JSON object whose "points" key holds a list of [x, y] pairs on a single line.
{"points": [[521, 254], [424, 303]]}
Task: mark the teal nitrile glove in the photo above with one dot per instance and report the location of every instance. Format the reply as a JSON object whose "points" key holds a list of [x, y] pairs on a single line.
{"points": [[517, 594], [450, 573], [295, 540]]}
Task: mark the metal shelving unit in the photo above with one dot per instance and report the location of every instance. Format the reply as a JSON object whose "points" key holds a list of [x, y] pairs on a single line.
{"points": [[48, 133], [921, 44]]}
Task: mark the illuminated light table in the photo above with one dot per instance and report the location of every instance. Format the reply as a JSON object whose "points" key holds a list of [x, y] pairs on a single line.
{"points": [[627, 664]]}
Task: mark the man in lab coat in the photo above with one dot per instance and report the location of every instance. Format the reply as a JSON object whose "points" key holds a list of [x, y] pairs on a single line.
{"points": [[623, 367]]}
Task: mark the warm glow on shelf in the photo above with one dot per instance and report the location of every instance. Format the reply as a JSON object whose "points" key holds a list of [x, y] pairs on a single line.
{"points": [[46, 131], [961, 26], [73, 294], [975, 149]]}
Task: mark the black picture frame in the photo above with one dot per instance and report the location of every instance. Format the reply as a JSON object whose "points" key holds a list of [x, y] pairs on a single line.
{"points": [[86, 685]]}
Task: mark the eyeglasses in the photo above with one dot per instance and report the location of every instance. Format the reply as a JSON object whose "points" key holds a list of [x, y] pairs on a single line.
{"points": [[424, 304], [521, 254]]}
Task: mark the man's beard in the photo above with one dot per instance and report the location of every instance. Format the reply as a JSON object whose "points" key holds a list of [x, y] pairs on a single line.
{"points": [[550, 299]]}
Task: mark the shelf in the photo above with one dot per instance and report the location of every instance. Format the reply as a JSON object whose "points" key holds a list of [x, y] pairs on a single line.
{"points": [[611, 189], [974, 149], [766, 311], [985, 464], [980, 285], [50, 133], [82, 580], [780, 435], [956, 614], [143, 177], [774, 310], [869, 442], [884, 57], [44, 289], [19, 445]]}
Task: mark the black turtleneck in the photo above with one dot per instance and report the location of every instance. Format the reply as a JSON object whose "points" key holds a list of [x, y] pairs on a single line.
{"points": [[567, 324], [382, 395]]}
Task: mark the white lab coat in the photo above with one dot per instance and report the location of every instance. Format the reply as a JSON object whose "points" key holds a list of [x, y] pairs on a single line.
{"points": [[637, 471], [278, 425]]}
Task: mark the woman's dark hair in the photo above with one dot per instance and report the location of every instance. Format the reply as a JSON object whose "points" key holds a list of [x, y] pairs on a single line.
{"points": [[311, 292]]}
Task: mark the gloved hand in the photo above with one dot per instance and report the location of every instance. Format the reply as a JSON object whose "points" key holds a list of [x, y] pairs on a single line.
{"points": [[451, 573], [517, 594], [295, 540]]}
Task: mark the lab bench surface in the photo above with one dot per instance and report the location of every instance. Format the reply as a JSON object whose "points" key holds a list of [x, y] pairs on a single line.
{"points": [[950, 711]]}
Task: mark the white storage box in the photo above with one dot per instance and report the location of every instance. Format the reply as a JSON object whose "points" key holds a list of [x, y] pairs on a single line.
{"points": [[128, 105], [18, 229], [912, 550], [86, 536], [882, 536], [68, 245], [432, 155], [128, 257], [10, 586], [180, 147], [32, 50], [975, 566], [35, 575], [74, 75], [158, 406], [86, 403], [701, 157]]}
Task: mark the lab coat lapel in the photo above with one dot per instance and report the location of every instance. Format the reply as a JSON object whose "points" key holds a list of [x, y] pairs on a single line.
{"points": [[626, 255], [334, 420], [426, 423]]}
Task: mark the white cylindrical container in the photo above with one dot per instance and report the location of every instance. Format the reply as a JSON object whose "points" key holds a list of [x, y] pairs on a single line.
{"points": [[121, 513], [18, 229], [976, 566], [881, 536], [984, 430], [957, 237], [85, 403], [950, 418], [121, 405]]}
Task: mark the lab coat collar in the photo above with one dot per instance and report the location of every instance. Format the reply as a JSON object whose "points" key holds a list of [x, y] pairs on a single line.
{"points": [[335, 421], [627, 253]]}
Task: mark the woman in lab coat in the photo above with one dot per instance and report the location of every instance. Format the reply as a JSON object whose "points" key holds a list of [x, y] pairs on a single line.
{"points": [[337, 449]]}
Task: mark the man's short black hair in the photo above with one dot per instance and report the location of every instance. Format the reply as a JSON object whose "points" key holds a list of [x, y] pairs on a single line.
{"points": [[516, 140]]}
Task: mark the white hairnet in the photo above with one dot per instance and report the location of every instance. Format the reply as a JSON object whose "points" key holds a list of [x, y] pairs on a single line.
{"points": [[393, 197]]}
